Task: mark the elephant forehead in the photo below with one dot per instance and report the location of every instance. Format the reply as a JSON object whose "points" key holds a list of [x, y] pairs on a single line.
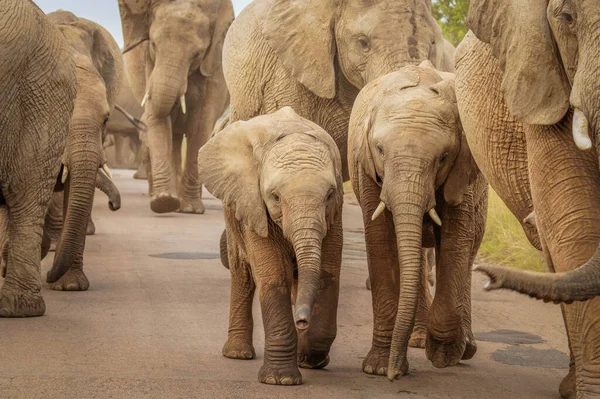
{"points": [[295, 151]]}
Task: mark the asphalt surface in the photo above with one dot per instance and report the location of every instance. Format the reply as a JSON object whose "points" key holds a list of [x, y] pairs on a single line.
{"points": [[154, 320]]}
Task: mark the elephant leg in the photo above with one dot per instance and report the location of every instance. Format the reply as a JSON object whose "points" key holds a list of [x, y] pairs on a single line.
{"points": [[273, 274], [176, 157], [315, 342], [144, 160], [419, 334], [382, 259], [446, 338], [26, 203], [241, 324]]}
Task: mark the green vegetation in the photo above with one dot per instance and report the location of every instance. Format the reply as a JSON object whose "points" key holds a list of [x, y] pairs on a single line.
{"points": [[504, 242], [451, 15]]}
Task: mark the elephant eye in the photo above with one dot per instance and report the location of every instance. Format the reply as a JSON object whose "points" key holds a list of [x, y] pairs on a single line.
{"points": [[363, 43], [380, 149], [330, 194], [444, 157], [568, 18], [105, 121], [276, 197]]}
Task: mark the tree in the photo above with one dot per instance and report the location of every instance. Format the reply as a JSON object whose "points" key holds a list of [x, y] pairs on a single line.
{"points": [[452, 17]]}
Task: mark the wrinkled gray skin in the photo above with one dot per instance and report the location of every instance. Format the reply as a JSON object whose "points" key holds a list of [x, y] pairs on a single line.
{"points": [[99, 75], [407, 151], [38, 86], [280, 180], [315, 55], [173, 58], [528, 84]]}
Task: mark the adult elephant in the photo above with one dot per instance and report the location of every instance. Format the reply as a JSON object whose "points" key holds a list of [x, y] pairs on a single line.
{"points": [[315, 56], [38, 86], [173, 60], [99, 75], [527, 84]]}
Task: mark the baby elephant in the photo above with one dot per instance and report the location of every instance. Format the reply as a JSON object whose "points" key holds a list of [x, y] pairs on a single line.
{"points": [[279, 177], [418, 186]]}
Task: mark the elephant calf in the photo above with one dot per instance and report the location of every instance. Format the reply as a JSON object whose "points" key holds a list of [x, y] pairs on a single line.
{"points": [[418, 186], [280, 179]]}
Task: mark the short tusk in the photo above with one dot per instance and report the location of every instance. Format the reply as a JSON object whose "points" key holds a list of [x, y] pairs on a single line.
{"points": [[65, 174], [378, 211], [435, 217], [581, 133], [183, 106], [145, 99], [107, 170]]}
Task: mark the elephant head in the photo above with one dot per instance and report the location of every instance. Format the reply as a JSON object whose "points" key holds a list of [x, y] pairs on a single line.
{"points": [[405, 134], [99, 68], [362, 39], [548, 51], [279, 173]]}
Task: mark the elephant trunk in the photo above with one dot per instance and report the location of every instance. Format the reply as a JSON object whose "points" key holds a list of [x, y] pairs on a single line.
{"points": [[107, 186], [307, 242], [577, 285], [408, 203], [167, 85], [79, 193]]}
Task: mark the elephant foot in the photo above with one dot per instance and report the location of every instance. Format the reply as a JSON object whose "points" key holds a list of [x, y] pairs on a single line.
{"points": [[73, 280], [444, 354], [164, 203], [376, 361], [238, 349], [568, 388], [274, 374], [471, 347], [418, 338], [192, 206], [141, 173], [313, 360], [18, 304], [91, 228]]}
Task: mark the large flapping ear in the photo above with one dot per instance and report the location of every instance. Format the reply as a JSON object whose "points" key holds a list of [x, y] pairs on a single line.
{"points": [[301, 34], [213, 58], [464, 169], [229, 167], [135, 20], [364, 112], [535, 87]]}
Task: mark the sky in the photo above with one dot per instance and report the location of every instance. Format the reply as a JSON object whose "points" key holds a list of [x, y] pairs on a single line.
{"points": [[104, 12]]}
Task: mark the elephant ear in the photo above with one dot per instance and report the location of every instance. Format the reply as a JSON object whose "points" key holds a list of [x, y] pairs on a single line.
{"points": [[534, 84], [464, 170], [364, 114], [229, 166], [135, 20], [301, 35], [213, 58]]}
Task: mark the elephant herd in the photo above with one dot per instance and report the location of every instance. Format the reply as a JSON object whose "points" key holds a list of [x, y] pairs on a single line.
{"points": [[319, 92]]}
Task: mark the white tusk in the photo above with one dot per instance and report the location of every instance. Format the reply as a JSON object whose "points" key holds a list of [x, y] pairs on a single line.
{"points": [[183, 106], [145, 99], [435, 217], [65, 174], [378, 211], [581, 133], [107, 170]]}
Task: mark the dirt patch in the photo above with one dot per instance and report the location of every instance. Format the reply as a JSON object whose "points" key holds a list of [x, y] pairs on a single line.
{"points": [[531, 357], [511, 337]]}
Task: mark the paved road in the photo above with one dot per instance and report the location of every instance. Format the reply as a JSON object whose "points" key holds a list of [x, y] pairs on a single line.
{"points": [[155, 318]]}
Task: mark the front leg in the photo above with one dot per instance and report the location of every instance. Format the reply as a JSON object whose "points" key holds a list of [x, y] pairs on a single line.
{"points": [[207, 101], [446, 336], [314, 343], [273, 275], [382, 258]]}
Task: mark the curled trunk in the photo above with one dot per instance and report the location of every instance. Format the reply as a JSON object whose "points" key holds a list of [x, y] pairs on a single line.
{"points": [[307, 246], [107, 186], [576, 285], [79, 194]]}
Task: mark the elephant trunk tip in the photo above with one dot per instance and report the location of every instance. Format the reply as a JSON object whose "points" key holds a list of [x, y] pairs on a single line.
{"points": [[114, 206], [302, 317]]}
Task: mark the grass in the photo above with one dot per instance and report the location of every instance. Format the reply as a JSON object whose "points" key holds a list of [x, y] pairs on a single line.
{"points": [[504, 242]]}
